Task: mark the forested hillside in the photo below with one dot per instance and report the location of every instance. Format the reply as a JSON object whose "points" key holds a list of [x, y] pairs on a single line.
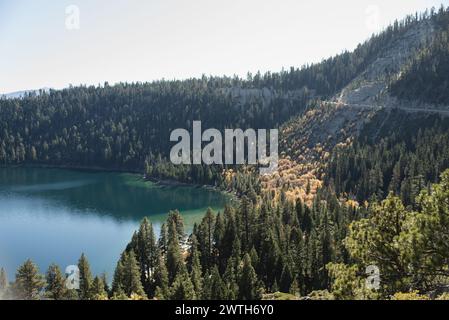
{"points": [[120, 126], [425, 79], [359, 185], [401, 154]]}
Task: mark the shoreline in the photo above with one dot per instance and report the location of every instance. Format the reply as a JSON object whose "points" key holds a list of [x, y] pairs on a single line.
{"points": [[174, 183], [161, 182]]}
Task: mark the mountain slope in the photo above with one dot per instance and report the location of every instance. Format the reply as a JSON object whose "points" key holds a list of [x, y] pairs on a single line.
{"points": [[308, 141], [370, 87]]}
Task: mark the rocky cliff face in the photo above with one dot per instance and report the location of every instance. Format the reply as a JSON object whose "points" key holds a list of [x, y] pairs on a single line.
{"points": [[371, 86]]}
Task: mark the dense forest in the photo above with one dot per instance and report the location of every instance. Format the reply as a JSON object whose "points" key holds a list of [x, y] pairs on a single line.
{"points": [[402, 154], [383, 201]]}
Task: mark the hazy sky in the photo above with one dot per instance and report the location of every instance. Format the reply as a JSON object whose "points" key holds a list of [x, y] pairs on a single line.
{"points": [[136, 40]]}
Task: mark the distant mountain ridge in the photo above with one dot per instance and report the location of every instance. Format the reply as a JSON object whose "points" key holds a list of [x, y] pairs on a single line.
{"points": [[23, 93]]}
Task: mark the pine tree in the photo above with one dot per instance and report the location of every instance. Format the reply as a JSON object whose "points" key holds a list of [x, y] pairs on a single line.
{"points": [[230, 278], [194, 265], [104, 279], [347, 284], [205, 236], [254, 258], [236, 253], [145, 247], [176, 218], [85, 278], [429, 254], [248, 219], [327, 250], [377, 241], [99, 289], [161, 281], [300, 259], [29, 283], [182, 287], [56, 287], [119, 294], [127, 276], [175, 261], [230, 234], [219, 231], [269, 258], [248, 284], [287, 279], [163, 239], [312, 264], [214, 287]]}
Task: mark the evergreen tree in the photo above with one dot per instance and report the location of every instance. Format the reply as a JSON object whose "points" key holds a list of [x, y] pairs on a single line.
{"points": [[287, 279], [104, 279], [347, 284], [219, 231], [205, 236], [161, 281], [428, 230], [85, 278], [248, 284], [376, 241], [231, 277], [269, 258], [163, 239], [145, 247], [175, 262], [56, 287], [127, 277], [29, 283], [99, 291], [254, 258], [229, 236], [195, 265], [119, 294], [182, 288], [175, 218], [214, 287], [248, 220]]}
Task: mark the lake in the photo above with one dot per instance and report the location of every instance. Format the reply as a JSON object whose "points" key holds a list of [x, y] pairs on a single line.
{"points": [[54, 215]]}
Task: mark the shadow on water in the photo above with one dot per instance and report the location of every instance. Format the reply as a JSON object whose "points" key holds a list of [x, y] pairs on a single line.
{"points": [[119, 195], [53, 215]]}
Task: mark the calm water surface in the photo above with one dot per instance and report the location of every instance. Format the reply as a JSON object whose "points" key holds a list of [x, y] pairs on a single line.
{"points": [[53, 215]]}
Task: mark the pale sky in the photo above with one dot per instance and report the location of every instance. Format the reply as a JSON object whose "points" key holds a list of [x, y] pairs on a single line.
{"points": [[137, 40]]}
